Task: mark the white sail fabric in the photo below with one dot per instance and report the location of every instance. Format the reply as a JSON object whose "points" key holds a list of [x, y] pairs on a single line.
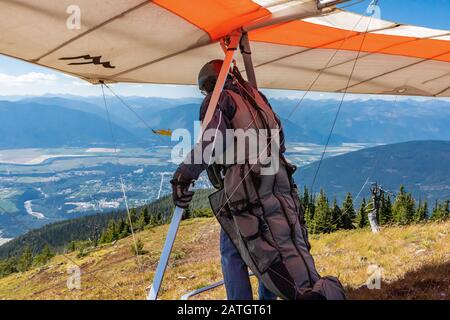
{"points": [[167, 41]]}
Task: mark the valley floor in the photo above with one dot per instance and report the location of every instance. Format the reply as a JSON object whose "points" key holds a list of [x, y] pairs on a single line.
{"points": [[415, 264]]}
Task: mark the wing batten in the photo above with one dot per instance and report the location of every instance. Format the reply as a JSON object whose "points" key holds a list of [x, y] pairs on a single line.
{"points": [[62, 45]]}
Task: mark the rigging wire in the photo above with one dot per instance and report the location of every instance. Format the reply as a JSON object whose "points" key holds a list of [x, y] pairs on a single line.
{"points": [[103, 283], [131, 224], [129, 107], [353, 201], [138, 261], [375, 2], [160, 185], [298, 105], [377, 159], [350, 33]]}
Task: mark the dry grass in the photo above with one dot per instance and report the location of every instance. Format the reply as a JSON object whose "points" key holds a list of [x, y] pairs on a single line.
{"points": [[415, 262]]}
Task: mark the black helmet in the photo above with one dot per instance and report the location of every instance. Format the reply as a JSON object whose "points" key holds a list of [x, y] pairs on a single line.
{"points": [[208, 75]]}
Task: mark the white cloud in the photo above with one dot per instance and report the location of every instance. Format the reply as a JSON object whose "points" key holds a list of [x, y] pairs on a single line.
{"points": [[27, 78], [81, 83]]}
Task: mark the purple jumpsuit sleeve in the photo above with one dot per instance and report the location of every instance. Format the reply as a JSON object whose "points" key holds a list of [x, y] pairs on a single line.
{"points": [[221, 121]]}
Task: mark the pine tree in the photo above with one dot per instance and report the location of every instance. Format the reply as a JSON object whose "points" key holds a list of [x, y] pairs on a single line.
{"points": [[188, 214], [8, 266], [72, 246], [153, 220], [322, 214], [138, 248], [435, 214], [336, 216], [362, 219], [404, 207], [441, 211], [305, 200], [133, 216], [385, 210], [348, 213], [421, 212], [146, 215], [447, 209], [123, 229], [410, 208], [110, 234], [309, 207], [309, 218], [43, 257], [142, 221], [25, 261]]}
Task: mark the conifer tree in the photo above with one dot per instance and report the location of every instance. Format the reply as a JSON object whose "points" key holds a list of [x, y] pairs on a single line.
{"points": [[421, 212], [336, 216], [305, 200], [322, 214], [123, 229], [25, 261], [362, 220], [309, 206], [440, 211], [110, 234], [404, 207], [410, 208], [153, 220], [8, 266], [348, 213], [43, 257], [72, 246], [435, 212], [309, 218], [385, 210], [133, 216], [188, 214], [447, 209], [141, 222], [138, 247]]}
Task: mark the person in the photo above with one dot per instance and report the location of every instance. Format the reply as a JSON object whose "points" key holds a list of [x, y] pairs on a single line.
{"points": [[234, 269], [257, 202]]}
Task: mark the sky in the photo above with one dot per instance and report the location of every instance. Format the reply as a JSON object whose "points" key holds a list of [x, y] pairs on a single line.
{"points": [[21, 78]]}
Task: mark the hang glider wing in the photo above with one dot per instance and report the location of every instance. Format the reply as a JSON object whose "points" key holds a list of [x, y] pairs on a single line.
{"points": [[167, 41]]}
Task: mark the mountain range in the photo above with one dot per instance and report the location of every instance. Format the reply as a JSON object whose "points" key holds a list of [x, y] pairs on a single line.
{"points": [[423, 167], [84, 120], [34, 125]]}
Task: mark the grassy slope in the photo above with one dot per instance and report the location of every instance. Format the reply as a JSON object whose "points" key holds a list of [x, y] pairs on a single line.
{"points": [[415, 259]]}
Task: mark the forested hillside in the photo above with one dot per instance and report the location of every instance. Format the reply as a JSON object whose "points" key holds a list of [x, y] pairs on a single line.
{"points": [[82, 235], [60, 234], [414, 260]]}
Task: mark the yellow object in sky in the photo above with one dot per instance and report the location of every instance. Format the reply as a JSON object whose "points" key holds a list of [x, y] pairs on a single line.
{"points": [[162, 132]]}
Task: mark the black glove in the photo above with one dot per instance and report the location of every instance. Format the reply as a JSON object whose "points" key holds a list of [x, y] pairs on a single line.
{"points": [[181, 195]]}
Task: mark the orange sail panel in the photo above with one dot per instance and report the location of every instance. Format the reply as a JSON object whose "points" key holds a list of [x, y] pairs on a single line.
{"points": [[311, 35], [217, 17]]}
